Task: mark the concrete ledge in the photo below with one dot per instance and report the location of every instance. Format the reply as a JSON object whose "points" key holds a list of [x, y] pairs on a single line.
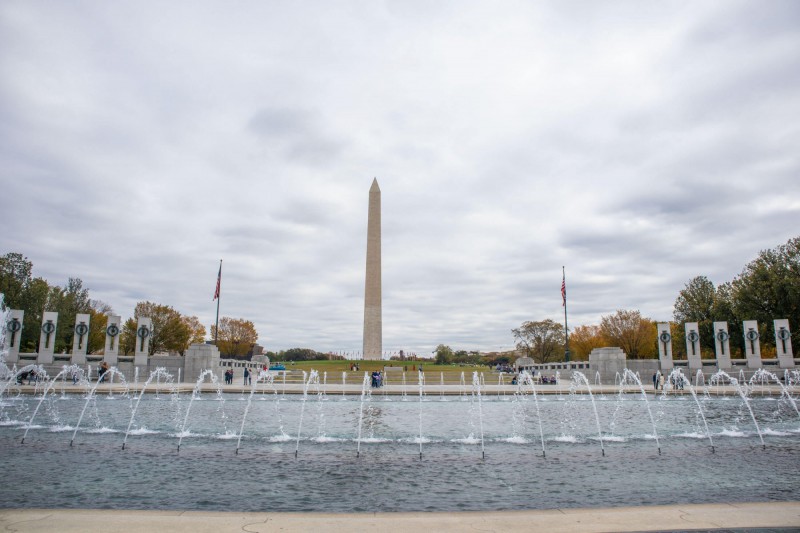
{"points": [[645, 518]]}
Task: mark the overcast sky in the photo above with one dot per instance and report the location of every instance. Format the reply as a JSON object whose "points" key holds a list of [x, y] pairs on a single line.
{"points": [[639, 144]]}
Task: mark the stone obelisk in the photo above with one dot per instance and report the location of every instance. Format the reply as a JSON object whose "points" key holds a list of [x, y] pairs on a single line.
{"points": [[373, 320]]}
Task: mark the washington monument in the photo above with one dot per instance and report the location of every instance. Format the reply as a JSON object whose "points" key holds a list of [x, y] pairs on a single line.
{"points": [[373, 320]]}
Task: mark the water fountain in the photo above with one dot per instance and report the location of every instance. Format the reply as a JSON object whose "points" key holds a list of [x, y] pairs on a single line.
{"points": [[721, 374], [421, 385], [364, 391], [110, 372], [676, 376], [200, 380], [628, 375], [527, 379], [399, 432], [577, 377], [765, 377], [157, 373], [264, 376], [313, 376], [476, 387], [66, 369]]}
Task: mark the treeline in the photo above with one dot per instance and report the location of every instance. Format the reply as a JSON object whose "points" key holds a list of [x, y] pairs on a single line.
{"points": [[544, 340], [768, 288], [447, 356], [172, 331], [35, 295], [301, 354]]}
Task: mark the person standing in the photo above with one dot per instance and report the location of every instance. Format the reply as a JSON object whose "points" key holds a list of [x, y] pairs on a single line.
{"points": [[655, 380], [246, 375]]}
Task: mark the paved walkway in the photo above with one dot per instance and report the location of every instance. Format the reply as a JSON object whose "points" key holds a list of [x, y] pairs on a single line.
{"points": [[655, 518]]}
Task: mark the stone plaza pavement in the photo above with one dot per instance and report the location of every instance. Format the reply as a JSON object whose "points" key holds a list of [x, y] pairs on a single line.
{"points": [[705, 517]]}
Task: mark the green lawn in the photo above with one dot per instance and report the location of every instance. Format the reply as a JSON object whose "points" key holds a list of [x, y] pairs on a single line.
{"points": [[370, 366]]}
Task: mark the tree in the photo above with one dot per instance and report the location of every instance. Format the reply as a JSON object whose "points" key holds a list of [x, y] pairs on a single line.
{"points": [[68, 302], [236, 336], [543, 340], [769, 288], [169, 332], [15, 276], [583, 340], [696, 302], [198, 330], [127, 339], [444, 355], [629, 331], [33, 302], [300, 354], [98, 321]]}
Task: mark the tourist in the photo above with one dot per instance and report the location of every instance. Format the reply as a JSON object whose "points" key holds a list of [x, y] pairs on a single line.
{"points": [[74, 377], [655, 381], [101, 375], [246, 376], [661, 381]]}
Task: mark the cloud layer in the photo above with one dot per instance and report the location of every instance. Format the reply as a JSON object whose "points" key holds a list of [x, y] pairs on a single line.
{"points": [[638, 144]]}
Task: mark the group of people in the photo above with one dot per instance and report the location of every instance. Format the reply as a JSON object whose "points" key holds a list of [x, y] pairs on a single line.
{"points": [[542, 378], [377, 379], [247, 376], [30, 375], [675, 381]]}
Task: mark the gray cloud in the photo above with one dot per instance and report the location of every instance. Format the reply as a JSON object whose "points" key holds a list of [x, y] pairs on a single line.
{"points": [[636, 144]]}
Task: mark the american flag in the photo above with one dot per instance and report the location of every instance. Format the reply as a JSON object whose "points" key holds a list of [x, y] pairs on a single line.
{"points": [[219, 280], [563, 291]]}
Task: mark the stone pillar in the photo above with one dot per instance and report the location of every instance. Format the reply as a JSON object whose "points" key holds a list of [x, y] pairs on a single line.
{"points": [[752, 347], [373, 318], [200, 357], [722, 345], [693, 345], [144, 331], [783, 343], [113, 329], [80, 339], [665, 347], [47, 338], [14, 335]]}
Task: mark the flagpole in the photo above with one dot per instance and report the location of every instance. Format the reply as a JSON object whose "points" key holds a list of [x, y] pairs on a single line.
{"points": [[566, 330], [219, 284]]}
